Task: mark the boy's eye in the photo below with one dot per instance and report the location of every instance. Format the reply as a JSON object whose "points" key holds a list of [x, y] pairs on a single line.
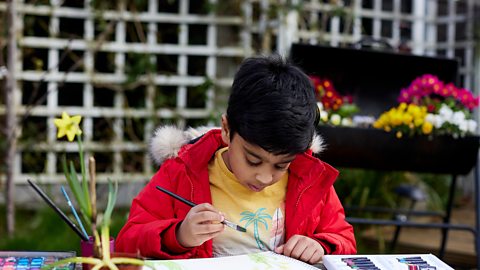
{"points": [[251, 163], [282, 168]]}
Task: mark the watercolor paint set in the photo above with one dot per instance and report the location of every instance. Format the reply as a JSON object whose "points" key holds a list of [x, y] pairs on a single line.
{"points": [[384, 262], [11, 260]]}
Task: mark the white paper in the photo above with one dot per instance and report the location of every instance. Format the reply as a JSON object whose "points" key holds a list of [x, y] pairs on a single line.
{"points": [[256, 261]]}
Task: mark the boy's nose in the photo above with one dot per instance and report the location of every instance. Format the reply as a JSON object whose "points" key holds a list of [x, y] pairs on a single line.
{"points": [[264, 178]]}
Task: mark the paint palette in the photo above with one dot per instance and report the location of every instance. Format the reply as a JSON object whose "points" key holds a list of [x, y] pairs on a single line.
{"points": [[360, 263], [416, 263], [384, 262], [411, 263], [10, 260]]}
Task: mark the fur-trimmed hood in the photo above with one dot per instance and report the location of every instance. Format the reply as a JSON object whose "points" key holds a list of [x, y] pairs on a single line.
{"points": [[167, 141]]}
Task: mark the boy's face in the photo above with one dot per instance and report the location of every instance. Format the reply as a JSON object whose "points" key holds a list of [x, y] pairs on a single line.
{"points": [[254, 167]]}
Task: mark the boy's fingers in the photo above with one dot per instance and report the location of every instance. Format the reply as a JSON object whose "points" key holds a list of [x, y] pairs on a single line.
{"points": [[210, 228], [297, 251], [316, 257], [222, 216], [289, 246], [209, 236], [206, 206], [307, 254], [208, 216], [279, 249]]}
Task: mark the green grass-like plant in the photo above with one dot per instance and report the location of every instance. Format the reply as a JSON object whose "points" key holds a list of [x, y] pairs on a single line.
{"points": [[85, 193]]}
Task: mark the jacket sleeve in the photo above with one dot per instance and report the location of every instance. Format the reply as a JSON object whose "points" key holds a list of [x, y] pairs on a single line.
{"points": [[333, 232], [151, 225]]}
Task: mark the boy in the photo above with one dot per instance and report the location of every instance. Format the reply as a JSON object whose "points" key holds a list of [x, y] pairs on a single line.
{"points": [[256, 171]]}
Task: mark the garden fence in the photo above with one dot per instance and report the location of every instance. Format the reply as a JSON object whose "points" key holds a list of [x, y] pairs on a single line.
{"points": [[130, 66]]}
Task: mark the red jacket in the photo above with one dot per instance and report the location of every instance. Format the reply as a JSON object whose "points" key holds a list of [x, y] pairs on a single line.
{"points": [[312, 207]]}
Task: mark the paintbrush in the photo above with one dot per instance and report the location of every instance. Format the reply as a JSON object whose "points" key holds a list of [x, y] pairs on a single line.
{"points": [[192, 204], [57, 210]]}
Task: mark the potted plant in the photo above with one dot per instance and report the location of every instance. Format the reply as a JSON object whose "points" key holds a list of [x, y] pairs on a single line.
{"points": [[84, 192], [335, 109], [431, 130]]}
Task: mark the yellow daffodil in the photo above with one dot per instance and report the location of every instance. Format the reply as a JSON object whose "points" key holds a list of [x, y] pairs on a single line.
{"points": [[69, 126]]}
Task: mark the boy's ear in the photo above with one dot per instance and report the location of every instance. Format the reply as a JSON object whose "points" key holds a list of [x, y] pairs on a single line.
{"points": [[225, 130]]}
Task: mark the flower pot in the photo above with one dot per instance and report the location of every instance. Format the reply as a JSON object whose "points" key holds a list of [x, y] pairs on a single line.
{"points": [[87, 251], [86, 248], [370, 148]]}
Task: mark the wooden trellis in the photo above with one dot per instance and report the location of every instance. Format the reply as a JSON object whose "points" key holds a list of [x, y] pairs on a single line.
{"points": [[84, 60]]}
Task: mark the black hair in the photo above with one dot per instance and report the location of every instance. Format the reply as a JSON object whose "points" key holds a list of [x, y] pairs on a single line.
{"points": [[273, 105]]}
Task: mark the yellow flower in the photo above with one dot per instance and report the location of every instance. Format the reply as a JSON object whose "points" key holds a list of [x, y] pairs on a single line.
{"points": [[413, 109], [377, 124], [335, 119], [68, 126], [427, 128], [418, 121], [404, 119], [407, 118], [396, 118]]}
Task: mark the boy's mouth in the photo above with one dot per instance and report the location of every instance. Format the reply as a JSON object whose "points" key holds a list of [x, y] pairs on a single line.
{"points": [[255, 188]]}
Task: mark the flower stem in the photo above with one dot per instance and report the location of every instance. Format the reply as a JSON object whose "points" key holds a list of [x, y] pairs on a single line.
{"points": [[93, 192], [105, 231], [97, 247], [84, 180], [122, 260], [89, 260]]}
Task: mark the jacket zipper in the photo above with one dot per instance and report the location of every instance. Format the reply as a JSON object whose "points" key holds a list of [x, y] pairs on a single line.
{"points": [[301, 193]]}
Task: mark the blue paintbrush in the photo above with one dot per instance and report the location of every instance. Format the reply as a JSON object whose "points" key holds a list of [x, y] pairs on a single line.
{"points": [[57, 210], [73, 211]]}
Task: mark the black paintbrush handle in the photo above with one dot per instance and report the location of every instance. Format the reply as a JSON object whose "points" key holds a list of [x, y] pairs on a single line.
{"points": [[185, 201], [59, 212]]}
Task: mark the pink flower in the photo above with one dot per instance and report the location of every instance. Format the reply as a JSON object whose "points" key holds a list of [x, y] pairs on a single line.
{"points": [[428, 85], [404, 96]]}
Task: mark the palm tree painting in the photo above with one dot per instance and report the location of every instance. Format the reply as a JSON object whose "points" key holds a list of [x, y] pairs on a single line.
{"points": [[255, 219]]}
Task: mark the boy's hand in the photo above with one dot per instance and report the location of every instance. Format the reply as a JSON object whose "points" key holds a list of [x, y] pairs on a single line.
{"points": [[202, 223], [302, 248]]}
